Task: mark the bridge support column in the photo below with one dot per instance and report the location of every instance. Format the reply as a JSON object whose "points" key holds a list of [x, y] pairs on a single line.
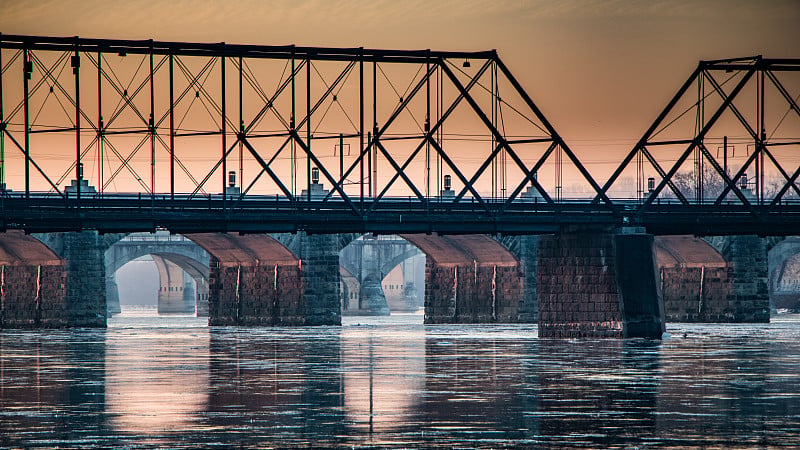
{"points": [[172, 298], [411, 297], [201, 294], [319, 256], [254, 295], [373, 299], [112, 295], [529, 259], [749, 299], [85, 286], [599, 285]]}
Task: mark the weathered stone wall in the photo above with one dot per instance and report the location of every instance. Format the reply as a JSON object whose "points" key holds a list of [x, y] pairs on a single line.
{"points": [[53, 280], [598, 285], [529, 260], [251, 295], [577, 287], [319, 256], [747, 258], [32, 296], [696, 294], [86, 281], [472, 293]]}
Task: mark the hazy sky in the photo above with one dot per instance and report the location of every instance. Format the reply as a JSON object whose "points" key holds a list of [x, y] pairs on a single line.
{"points": [[598, 69]]}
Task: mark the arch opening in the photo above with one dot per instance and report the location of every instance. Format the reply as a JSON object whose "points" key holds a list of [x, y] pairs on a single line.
{"points": [[381, 275]]}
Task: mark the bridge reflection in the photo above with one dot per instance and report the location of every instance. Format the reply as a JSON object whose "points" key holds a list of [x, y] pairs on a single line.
{"points": [[405, 384]]}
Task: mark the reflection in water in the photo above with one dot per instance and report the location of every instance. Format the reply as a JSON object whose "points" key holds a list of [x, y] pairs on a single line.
{"points": [[172, 382], [382, 380], [156, 382], [594, 392]]}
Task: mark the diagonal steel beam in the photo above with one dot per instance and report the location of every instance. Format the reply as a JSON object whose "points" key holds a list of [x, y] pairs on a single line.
{"points": [[21, 105], [399, 171], [213, 169], [654, 163], [488, 123], [188, 88], [778, 85], [32, 161], [325, 172], [270, 103], [125, 163], [265, 166], [720, 170], [647, 134], [398, 110], [529, 178], [553, 133], [698, 139], [458, 173]]}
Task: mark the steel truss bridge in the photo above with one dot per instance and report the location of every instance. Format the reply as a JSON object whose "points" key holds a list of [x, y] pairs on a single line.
{"points": [[121, 135]]}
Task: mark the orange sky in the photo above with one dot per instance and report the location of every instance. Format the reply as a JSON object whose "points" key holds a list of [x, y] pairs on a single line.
{"points": [[599, 70]]}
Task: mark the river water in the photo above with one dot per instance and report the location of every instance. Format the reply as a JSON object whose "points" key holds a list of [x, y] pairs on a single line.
{"points": [[172, 382]]}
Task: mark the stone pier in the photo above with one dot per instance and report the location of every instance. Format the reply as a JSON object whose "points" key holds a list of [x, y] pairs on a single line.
{"points": [[471, 279], [255, 280], [749, 271], [52, 280], [714, 280], [599, 285]]}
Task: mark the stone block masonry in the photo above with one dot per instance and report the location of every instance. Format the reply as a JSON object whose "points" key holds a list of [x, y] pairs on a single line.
{"points": [[471, 293], [255, 280], [598, 285], [32, 296], [696, 294], [54, 280], [749, 300], [250, 295]]}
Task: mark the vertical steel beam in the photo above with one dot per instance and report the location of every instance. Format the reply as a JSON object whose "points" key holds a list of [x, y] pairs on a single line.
{"points": [[361, 126], [223, 131], [374, 145], [76, 70], [27, 68], [341, 160], [293, 163], [308, 127], [171, 128], [2, 128], [428, 124], [99, 122], [152, 128], [241, 125], [762, 133]]}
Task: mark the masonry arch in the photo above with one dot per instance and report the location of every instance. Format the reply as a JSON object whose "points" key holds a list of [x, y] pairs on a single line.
{"points": [[376, 278], [470, 279], [784, 274], [182, 267], [32, 284]]}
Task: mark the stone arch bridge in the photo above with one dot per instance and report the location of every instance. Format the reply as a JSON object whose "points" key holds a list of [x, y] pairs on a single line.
{"points": [[58, 279]]}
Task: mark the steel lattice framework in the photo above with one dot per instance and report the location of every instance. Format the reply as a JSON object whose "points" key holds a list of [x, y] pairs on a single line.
{"points": [[403, 140]]}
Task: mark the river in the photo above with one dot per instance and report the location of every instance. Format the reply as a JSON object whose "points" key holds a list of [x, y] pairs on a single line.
{"points": [[172, 382]]}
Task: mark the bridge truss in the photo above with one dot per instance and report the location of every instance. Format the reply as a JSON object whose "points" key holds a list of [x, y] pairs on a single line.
{"points": [[729, 119], [137, 135]]}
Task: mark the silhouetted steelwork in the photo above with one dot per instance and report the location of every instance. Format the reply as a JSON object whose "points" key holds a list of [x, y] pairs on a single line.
{"points": [[410, 121], [712, 102]]}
